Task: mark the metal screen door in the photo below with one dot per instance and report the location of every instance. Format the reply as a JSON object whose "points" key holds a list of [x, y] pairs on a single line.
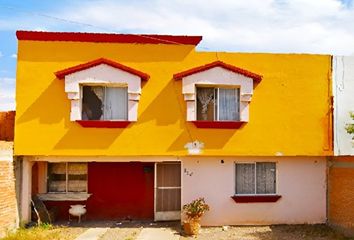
{"points": [[167, 191]]}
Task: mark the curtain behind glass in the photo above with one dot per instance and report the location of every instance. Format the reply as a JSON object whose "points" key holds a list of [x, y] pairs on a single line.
{"points": [[228, 104], [116, 103], [265, 178], [245, 178]]}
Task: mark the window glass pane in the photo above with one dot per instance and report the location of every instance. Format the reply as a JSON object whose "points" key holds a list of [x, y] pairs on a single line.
{"points": [[92, 99], [77, 177], [205, 104], [116, 103], [265, 178], [245, 179], [228, 104], [56, 177]]}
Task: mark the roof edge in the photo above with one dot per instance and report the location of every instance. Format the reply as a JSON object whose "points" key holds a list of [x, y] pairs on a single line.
{"points": [[62, 73], [254, 76], [108, 37]]}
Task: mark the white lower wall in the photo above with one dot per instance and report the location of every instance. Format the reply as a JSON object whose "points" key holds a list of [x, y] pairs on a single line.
{"points": [[301, 181]]}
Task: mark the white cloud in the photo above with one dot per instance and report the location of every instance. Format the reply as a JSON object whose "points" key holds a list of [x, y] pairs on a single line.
{"points": [[317, 26], [7, 94], [7, 81], [7, 100], [312, 26], [1, 54], [14, 55]]}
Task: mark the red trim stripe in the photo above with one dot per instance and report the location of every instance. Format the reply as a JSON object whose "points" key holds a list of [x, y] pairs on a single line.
{"points": [[232, 68], [62, 73], [256, 198], [107, 37], [218, 124], [103, 124]]}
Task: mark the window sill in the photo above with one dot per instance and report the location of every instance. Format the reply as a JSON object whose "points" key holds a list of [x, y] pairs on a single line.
{"points": [[103, 124], [255, 198], [218, 124], [64, 196]]}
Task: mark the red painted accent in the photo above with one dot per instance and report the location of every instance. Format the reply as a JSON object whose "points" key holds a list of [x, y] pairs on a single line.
{"points": [[232, 68], [256, 198], [108, 37], [119, 191], [62, 73], [103, 124], [218, 124]]}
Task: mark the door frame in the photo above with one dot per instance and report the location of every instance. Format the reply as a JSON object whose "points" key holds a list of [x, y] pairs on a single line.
{"points": [[168, 215]]}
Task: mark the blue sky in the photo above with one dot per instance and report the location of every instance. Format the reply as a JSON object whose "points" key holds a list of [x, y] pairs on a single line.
{"points": [[297, 26]]}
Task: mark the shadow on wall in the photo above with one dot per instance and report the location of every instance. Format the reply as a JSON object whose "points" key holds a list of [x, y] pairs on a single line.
{"points": [[78, 137], [212, 138], [78, 51], [163, 108], [54, 100]]}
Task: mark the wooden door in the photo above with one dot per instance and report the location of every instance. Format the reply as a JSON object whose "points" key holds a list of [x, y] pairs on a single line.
{"points": [[168, 191]]}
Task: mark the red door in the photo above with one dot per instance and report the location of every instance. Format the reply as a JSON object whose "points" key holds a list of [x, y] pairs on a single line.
{"points": [[120, 190]]}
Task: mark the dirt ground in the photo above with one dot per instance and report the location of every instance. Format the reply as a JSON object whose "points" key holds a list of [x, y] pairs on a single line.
{"points": [[277, 232], [130, 231]]}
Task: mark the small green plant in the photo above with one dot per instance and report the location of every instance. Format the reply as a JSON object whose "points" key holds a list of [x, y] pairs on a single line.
{"points": [[195, 209], [350, 126]]}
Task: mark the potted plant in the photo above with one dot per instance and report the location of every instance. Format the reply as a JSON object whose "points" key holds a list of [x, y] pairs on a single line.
{"points": [[194, 211]]}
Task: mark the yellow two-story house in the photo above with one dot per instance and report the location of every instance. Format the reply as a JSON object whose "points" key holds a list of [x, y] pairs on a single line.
{"points": [[135, 126]]}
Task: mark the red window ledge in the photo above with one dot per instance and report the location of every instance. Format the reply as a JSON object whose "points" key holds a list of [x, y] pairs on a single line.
{"points": [[256, 198], [103, 124], [218, 124]]}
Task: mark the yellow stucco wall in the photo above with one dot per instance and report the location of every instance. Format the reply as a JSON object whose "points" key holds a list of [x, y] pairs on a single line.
{"points": [[289, 112]]}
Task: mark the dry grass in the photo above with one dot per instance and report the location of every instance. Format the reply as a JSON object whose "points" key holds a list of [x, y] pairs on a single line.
{"points": [[45, 232]]}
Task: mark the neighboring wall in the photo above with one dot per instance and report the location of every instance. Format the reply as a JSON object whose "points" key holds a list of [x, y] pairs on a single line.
{"points": [[7, 121], [341, 171], [9, 218], [343, 91], [301, 182], [341, 194]]}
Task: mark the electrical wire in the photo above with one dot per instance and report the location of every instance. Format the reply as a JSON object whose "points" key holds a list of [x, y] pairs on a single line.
{"points": [[85, 24]]}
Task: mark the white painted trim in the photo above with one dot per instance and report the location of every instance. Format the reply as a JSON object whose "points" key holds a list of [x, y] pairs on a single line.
{"points": [[26, 190], [168, 187], [102, 75], [217, 77], [64, 196], [106, 159]]}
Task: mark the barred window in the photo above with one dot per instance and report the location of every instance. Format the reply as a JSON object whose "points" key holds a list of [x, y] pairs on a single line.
{"points": [[255, 178], [67, 177]]}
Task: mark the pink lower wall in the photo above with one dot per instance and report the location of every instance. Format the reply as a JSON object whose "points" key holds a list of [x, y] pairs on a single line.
{"points": [[301, 181]]}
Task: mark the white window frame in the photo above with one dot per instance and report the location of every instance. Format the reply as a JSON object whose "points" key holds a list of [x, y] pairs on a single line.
{"points": [[255, 182], [217, 76], [100, 75], [104, 87], [67, 178], [217, 87]]}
